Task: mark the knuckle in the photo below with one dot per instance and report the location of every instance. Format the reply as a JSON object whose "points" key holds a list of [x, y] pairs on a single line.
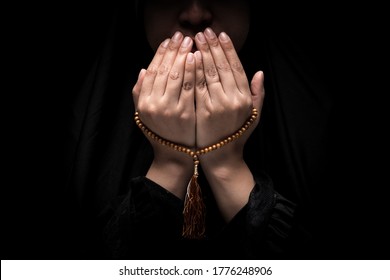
{"points": [[228, 47], [163, 69], [237, 66], [235, 105], [201, 84], [172, 46], [214, 43], [174, 75], [188, 85], [248, 102], [185, 116], [204, 48], [152, 70], [223, 67], [211, 71], [161, 50], [206, 114], [145, 110]]}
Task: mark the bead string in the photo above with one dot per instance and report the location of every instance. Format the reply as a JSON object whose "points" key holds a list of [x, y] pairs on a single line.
{"points": [[194, 208], [195, 154]]}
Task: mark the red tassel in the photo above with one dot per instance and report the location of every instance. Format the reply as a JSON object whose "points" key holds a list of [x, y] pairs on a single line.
{"points": [[194, 209]]}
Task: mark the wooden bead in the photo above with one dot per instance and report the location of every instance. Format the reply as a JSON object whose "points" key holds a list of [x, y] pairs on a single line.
{"points": [[196, 153]]}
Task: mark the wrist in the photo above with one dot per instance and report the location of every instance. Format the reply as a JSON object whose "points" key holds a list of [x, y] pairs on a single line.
{"points": [[231, 183], [224, 158], [222, 169], [172, 173]]}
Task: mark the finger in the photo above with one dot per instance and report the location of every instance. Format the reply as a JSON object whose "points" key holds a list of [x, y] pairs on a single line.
{"points": [[152, 69], [202, 95], [137, 88], [177, 72], [167, 62], [257, 90], [221, 63], [234, 61], [188, 86], [209, 68]]}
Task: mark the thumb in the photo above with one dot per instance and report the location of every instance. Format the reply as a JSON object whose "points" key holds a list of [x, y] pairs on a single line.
{"points": [[138, 86], [257, 90]]}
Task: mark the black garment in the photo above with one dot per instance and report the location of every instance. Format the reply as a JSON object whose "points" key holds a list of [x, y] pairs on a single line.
{"points": [[147, 223]]}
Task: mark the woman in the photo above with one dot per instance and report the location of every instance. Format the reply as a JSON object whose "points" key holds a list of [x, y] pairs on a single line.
{"points": [[195, 70]]}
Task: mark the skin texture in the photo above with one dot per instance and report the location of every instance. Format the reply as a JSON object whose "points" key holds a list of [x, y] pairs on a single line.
{"points": [[197, 99]]}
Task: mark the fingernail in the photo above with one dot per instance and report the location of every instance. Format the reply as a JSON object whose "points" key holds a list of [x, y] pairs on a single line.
{"points": [[198, 55], [224, 37], [177, 36], [186, 42], [201, 37], [190, 58], [209, 33], [165, 43]]}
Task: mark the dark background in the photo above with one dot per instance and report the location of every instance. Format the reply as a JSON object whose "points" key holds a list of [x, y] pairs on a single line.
{"points": [[49, 50]]}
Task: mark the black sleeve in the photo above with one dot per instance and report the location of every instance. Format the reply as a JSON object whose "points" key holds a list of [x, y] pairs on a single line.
{"points": [[143, 223], [264, 228]]}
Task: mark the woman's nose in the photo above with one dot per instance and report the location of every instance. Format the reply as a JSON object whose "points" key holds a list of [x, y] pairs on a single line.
{"points": [[196, 15]]}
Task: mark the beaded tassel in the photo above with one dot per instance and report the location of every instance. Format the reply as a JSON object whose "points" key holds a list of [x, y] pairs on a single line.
{"points": [[194, 208]]}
